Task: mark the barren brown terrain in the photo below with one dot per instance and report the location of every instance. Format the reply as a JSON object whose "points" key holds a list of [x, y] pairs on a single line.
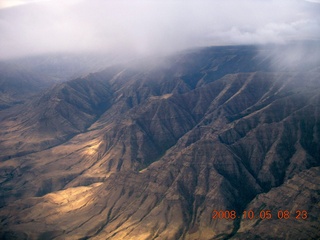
{"points": [[148, 150]]}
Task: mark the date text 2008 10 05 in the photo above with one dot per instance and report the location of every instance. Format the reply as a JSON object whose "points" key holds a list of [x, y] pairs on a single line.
{"points": [[263, 214]]}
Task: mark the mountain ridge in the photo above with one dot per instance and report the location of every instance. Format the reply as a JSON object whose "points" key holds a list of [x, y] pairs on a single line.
{"points": [[169, 146]]}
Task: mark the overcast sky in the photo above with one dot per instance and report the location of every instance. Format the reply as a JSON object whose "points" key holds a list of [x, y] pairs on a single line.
{"points": [[29, 27]]}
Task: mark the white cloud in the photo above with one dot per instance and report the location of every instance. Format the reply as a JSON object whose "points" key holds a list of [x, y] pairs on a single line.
{"points": [[313, 1], [7, 4], [151, 26], [14, 3]]}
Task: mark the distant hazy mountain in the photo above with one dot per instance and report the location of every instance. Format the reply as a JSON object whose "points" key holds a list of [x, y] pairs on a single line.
{"points": [[23, 77], [17, 84], [65, 66], [151, 149]]}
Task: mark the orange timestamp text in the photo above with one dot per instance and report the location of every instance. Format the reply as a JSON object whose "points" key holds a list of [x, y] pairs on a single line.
{"points": [[263, 214]]}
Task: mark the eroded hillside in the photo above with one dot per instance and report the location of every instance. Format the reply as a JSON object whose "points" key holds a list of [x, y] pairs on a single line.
{"points": [[150, 150]]}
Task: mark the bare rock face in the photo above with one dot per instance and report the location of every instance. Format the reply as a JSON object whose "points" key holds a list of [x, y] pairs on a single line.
{"points": [[53, 116], [154, 151]]}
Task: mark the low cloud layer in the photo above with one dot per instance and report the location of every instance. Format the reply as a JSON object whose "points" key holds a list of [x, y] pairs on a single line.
{"points": [[151, 27]]}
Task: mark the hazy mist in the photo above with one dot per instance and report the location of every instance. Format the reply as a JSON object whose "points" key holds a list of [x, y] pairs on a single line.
{"points": [[150, 27]]}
